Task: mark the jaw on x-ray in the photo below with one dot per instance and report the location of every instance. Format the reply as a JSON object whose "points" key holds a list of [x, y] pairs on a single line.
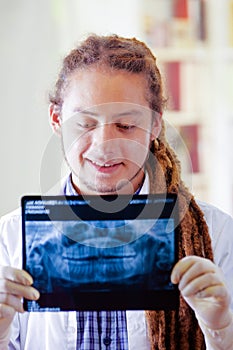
{"points": [[109, 255]]}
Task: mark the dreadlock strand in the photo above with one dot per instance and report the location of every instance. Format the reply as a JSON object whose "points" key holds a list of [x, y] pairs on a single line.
{"points": [[203, 229], [153, 318], [185, 326], [174, 330], [197, 232], [186, 225], [162, 331], [170, 330]]}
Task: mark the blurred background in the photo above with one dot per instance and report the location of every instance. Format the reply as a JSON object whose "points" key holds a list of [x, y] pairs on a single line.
{"points": [[193, 43]]}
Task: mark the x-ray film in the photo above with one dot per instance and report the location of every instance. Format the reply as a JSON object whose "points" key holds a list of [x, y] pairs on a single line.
{"points": [[101, 252]]}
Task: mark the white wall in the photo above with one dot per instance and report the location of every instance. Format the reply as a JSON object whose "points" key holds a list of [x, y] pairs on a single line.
{"points": [[27, 66], [34, 35]]}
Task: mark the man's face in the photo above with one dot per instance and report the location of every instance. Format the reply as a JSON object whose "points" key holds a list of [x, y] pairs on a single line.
{"points": [[107, 129]]}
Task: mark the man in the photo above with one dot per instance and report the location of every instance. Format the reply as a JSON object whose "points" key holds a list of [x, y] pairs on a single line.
{"points": [[107, 107]]}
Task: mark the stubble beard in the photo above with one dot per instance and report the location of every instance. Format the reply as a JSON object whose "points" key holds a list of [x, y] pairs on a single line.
{"points": [[102, 188]]}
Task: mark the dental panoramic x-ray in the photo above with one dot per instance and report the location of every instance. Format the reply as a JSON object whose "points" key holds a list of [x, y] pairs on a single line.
{"points": [[101, 253]]}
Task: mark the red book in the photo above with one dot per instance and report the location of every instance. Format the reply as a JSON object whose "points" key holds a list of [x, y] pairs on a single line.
{"points": [[180, 8], [190, 135], [172, 72]]}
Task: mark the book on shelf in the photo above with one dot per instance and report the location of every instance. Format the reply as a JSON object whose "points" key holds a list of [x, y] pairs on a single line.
{"points": [[198, 16], [203, 21], [172, 84], [190, 135], [180, 8]]}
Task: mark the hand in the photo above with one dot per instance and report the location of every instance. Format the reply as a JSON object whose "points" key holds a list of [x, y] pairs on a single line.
{"points": [[202, 285], [14, 285]]}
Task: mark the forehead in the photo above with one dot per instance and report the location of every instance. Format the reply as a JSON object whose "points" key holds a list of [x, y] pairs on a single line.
{"points": [[88, 88], [113, 111]]}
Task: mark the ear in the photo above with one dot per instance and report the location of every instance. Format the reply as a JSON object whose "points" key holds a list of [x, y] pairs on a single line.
{"points": [[156, 126], [55, 118]]}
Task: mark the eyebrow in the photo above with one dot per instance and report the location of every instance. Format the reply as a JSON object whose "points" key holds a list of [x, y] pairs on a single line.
{"points": [[133, 112], [83, 111], [121, 114]]}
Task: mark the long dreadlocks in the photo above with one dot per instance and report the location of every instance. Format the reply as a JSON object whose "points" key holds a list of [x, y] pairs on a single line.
{"points": [[179, 329]]}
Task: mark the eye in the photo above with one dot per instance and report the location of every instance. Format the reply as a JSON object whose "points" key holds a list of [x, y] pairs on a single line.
{"points": [[125, 127], [86, 125]]}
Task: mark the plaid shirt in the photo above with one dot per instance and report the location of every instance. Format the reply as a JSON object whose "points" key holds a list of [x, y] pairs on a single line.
{"points": [[98, 330]]}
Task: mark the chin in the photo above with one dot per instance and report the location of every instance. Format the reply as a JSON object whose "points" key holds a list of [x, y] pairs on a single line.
{"points": [[100, 188]]}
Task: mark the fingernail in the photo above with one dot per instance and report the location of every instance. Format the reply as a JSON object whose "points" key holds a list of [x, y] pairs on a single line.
{"points": [[27, 280], [173, 278], [36, 294]]}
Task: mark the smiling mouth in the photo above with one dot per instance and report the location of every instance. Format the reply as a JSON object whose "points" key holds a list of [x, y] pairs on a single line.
{"points": [[105, 167]]}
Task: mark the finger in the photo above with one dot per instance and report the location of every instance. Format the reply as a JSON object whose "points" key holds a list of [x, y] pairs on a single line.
{"points": [[11, 301], [6, 311], [183, 265], [180, 268], [198, 284], [218, 294], [16, 275], [199, 269], [19, 290]]}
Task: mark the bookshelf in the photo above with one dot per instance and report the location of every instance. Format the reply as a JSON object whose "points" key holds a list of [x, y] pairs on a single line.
{"points": [[193, 43]]}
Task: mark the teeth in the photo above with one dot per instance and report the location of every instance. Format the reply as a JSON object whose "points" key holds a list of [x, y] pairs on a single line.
{"points": [[102, 165]]}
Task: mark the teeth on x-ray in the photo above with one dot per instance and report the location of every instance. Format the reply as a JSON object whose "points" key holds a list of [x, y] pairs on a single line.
{"points": [[79, 254], [104, 253]]}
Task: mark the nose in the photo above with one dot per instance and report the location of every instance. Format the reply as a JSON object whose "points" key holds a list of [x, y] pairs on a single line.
{"points": [[104, 134]]}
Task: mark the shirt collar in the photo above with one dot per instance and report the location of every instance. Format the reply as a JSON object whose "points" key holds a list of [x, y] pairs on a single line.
{"points": [[69, 189]]}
